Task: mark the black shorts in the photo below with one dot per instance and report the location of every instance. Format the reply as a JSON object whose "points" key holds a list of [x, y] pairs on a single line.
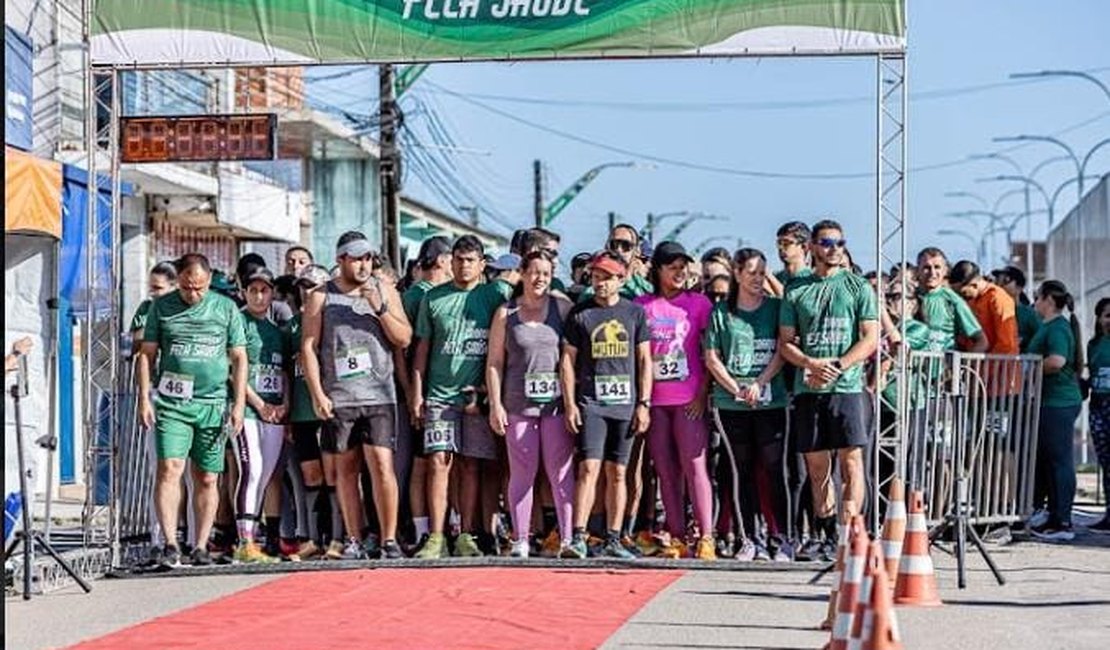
{"points": [[761, 427], [605, 438], [829, 421], [306, 441], [368, 425]]}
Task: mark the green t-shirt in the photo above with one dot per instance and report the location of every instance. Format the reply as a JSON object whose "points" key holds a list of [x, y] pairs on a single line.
{"points": [[301, 409], [138, 321], [917, 338], [1098, 364], [504, 288], [1028, 322], [746, 342], [557, 285], [1059, 389], [634, 286], [784, 277], [267, 356], [947, 315], [827, 313], [410, 299], [456, 323], [193, 341]]}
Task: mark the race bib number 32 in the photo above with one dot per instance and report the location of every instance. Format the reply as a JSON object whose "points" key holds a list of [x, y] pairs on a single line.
{"points": [[613, 389], [671, 367], [177, 385], [541, 387], [354, 363]]}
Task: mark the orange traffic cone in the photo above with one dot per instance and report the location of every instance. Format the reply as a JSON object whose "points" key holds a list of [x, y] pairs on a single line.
{"points": [[861, 610], [850, 510], [917, 585], [881, 623], [849, 588], [894, 529]]}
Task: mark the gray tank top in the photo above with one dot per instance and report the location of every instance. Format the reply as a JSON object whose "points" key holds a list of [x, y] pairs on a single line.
{"points": [[356, 358], [531, 384]]}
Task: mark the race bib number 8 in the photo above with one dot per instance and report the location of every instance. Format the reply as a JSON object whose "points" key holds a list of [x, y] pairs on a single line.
{"points": [[541, 387], [177, 385], [354, 363], [671, 367], [269, 381], [613, 389]]}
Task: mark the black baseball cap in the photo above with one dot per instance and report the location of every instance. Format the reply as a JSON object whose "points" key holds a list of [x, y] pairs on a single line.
{"points": [[667, 252], [262, 274], [432, 249]]}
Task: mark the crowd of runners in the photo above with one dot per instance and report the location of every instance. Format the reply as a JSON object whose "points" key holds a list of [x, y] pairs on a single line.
{"points": [[656, 405]]}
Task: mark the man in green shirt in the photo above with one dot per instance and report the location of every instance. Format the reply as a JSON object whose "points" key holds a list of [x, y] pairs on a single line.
{"points": [[792, 241], [942, 309], [1012, 281], [624, 242], [162, 280], [194, 333], [828, 329], [452, 328]]}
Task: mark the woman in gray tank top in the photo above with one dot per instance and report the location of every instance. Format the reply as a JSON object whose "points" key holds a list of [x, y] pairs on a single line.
{"points": [[522, 374]]}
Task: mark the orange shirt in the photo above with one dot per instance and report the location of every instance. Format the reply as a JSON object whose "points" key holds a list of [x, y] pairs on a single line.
{"points": [[997, 315]]}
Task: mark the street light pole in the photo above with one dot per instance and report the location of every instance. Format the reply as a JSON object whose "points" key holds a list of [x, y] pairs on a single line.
{"points": [[654, 219], [1064, 73], [697, 216], [560, 203], [976, 245]]}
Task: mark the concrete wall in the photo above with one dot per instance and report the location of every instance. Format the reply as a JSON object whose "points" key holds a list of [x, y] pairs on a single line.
{"points": [[1093, 214]]}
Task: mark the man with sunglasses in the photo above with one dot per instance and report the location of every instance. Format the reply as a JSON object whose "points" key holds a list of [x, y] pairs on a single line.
{"points": [[942, 309], [792, 242], [353, 327], [624, 245], [828, 329]]}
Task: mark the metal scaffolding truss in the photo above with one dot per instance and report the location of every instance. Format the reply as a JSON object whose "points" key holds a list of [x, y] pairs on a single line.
{"points": [[890, 249]]}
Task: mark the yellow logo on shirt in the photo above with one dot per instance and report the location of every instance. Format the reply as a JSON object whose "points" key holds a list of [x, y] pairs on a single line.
{"points": [[609, 340]]}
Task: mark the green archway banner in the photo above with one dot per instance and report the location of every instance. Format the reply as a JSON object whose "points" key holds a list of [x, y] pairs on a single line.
{"points": [[295, 32]]}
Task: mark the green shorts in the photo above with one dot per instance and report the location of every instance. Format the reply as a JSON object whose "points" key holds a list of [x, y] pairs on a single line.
{"points": [[192, 430]]}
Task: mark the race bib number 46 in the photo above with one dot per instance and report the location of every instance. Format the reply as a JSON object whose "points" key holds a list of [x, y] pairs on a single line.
{"points": [[354, 363], [613, 389], [177, 385], [671, 367], [541, 387]]}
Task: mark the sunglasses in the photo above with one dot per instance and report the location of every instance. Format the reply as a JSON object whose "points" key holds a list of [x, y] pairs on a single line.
{"points": [[622, 245], [826, 242]]}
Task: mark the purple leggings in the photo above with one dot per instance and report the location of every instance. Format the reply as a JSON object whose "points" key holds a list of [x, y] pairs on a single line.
{"points": [[529, 438], [678, 450]]}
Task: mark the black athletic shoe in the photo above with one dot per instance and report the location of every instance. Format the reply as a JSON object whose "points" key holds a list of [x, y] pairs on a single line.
{"points": [[391, 550], [1053, 532], [171, 558], [1102, 527], [154, 558], [200, 557], [810, 551]]}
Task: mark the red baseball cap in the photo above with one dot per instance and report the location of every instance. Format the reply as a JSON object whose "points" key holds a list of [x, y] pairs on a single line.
{"points": [[609, 264]]}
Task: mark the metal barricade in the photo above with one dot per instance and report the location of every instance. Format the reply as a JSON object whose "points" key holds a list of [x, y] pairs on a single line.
{"points": [[136, 470], [990, 404]]}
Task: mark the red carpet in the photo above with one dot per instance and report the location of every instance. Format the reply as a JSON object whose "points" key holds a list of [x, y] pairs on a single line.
{"points": [[407, 608]]}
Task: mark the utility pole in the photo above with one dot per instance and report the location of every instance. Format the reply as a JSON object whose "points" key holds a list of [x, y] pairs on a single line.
{"points": [[537, 183], [389, 167], [612, 220], [649, 227]]}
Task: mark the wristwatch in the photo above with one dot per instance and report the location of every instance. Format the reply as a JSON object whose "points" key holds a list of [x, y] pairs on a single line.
{"points": [[646, 403]]}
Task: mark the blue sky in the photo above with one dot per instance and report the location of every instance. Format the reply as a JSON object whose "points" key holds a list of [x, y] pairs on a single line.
{"points": [[772, 115]]}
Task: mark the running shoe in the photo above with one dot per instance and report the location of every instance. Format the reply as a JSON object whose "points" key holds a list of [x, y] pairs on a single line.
{"points": [[520, 548], [745, 552], [287, 548], [552, 545], [412, 550], [249, 553], [674, 550], [1053, 532], [171, 558], [706, 549], [614, 549], [467, 546], [781, 550], [575, 550], [435, 548], [1037, 519], [810, 551], [334, 551], [1102, 527], [306, 551], [630, 545], [647, 543], [154, 558], [200, 557], [828, 551], [761, 553], [594, 546], [353, 550], [391, 550], [371, 546]]}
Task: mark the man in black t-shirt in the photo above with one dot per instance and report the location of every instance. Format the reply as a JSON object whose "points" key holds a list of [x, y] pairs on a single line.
{"points": [[607, 381]]}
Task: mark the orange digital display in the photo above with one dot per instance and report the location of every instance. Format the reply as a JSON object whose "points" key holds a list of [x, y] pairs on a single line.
{"points": [[197, 138]]}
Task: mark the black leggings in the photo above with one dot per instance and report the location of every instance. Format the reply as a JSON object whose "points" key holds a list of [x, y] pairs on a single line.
{"points": [[757, 440]]}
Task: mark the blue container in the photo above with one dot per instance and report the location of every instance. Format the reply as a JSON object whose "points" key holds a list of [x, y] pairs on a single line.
{"points": [[13, 506]]}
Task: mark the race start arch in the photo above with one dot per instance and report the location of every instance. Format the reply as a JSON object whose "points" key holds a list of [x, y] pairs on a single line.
{"points": [[164, 34]]}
